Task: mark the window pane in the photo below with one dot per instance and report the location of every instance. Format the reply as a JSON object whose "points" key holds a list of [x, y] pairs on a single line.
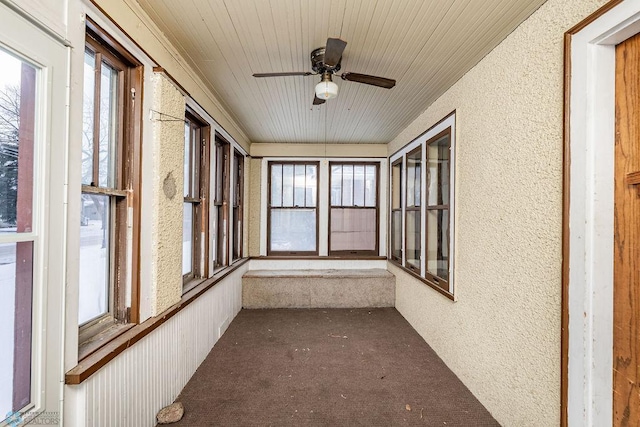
{"points": [[300, 185], [438, 178], [358, 185], [108, 125], [353, 229], [276, 185], [347, 185], [336, 185], [87, 117], [239, 179], [16, 285], [411, 176], [293, 230], [237, 234], [414, 160], [312, 185], [371, 187], [95, 236], [438, 242], [195, 161], [221, 237], [287, 185], [220, 177], [17, 116], [187, 239], [187, 157], [413, 238], [396, 182], [396, 237]]}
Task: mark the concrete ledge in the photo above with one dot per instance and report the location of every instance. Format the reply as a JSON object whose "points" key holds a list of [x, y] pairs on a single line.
{"points": [[318, 288]]}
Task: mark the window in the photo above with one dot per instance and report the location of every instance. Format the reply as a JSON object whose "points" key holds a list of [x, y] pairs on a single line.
{"points": [[353, 223], [221, 202], [438, 193], [238, 199], [195, 219], [293, 213], [110, 187], [396, 211], [19, 236], [421, 233], [413, 196]]}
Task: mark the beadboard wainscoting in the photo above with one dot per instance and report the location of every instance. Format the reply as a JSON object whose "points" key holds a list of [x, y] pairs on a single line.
{"points": [[130, 389]]}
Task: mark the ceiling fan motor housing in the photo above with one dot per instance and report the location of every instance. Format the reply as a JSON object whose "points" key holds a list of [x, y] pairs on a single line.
{"points": [[317, 62]]}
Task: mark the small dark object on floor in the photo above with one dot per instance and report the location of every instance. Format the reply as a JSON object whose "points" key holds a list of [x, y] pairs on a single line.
{"points": [[286, 367], [170, 414]]}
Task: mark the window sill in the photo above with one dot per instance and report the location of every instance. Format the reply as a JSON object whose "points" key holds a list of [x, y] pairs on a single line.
{"points": [[108, 350], [319, 257], [91, 345], [422, 279]]}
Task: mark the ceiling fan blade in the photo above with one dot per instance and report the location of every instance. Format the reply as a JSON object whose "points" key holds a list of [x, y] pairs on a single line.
{"points": [[318, 101], [369, 80], [292, 73], [333, 52]]}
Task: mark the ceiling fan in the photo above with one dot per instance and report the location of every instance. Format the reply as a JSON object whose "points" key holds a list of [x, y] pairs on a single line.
{"points": [[325, 61]]}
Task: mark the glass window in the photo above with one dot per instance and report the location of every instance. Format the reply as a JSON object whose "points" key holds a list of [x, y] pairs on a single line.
{"points": [[111, 81], [396, 211], [293, 214], [17, 151], [195, 212], [354, 209], [421, 230], [221, 203], [238, 204], [95, 258], [413, 212], [437, 233]]}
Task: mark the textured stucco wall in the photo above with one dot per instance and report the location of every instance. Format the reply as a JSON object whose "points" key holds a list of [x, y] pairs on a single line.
{"points": [[168, 157], [502, 336], [255, 176]]}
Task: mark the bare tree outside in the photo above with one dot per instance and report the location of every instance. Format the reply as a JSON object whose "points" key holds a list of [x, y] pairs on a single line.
{"points": [[9, 142]]}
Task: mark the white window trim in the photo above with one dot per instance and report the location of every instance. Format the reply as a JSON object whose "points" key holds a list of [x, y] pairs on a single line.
{"points": [[591, 220], [421, 141]]}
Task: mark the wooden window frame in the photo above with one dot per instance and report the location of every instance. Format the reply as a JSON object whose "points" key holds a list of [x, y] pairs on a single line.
{"points": [[198, 191], [392, 256], [237, 216], [413, 208], [445, 126], [125, 194], [438, 281], [221, 201], [356, 253], [270, 208]]}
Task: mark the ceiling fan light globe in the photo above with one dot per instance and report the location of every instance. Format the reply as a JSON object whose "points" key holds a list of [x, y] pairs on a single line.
{"points": [[326, 90]]}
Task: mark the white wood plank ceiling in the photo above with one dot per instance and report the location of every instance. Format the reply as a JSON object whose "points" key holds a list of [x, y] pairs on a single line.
{"points": [[425, 45]]}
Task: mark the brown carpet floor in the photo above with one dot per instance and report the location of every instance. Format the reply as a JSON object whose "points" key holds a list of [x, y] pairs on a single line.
{"points": [[326, 367]]}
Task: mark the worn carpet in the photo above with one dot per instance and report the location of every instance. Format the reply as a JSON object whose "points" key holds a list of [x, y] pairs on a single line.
{"points": [[326, 367]]}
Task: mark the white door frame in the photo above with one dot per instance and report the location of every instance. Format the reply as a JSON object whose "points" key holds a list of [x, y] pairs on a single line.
{"points": [[49, 55], [589, 289]]}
